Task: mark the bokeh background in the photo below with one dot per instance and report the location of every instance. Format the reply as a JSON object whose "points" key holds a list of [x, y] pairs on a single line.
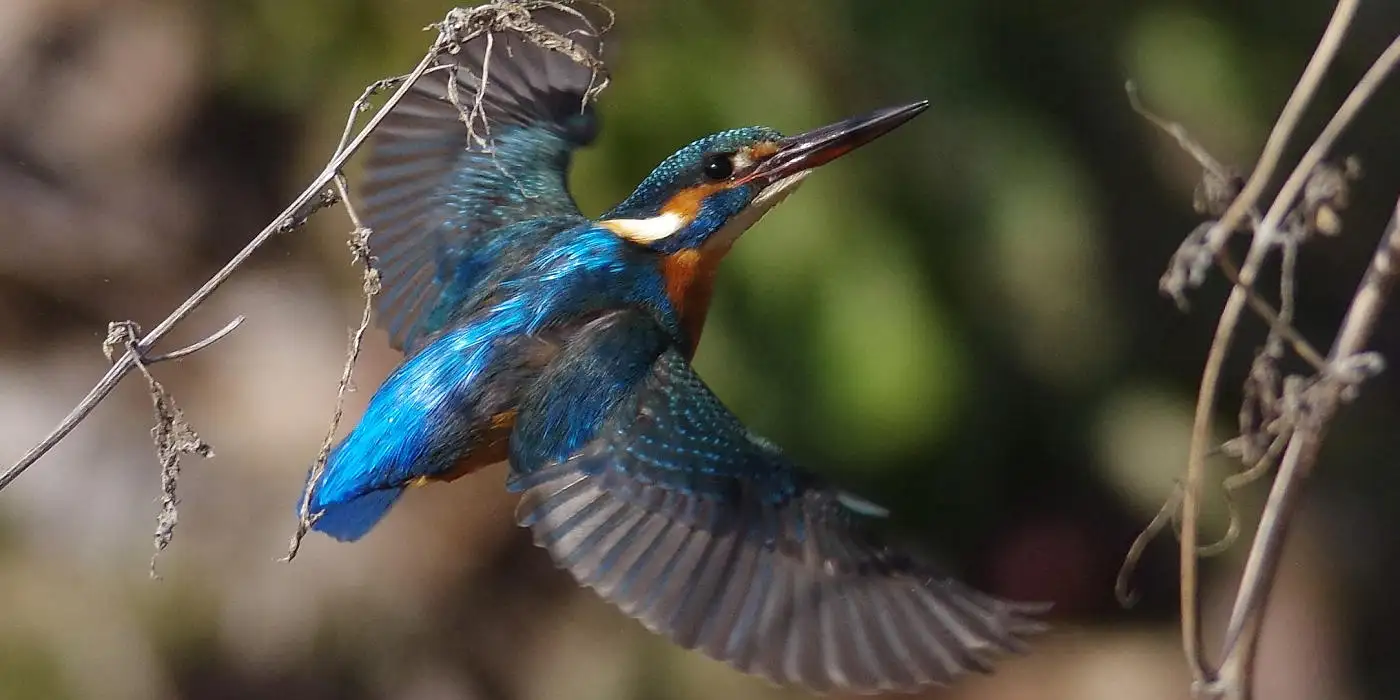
{"points": [[961, 321]]}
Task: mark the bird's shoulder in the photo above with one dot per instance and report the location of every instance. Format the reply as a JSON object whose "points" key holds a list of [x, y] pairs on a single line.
{"points": [[545, 274], [621, 395]]}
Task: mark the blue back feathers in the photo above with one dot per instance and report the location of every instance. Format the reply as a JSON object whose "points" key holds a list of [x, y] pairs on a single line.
{"points": [[427, 415]]}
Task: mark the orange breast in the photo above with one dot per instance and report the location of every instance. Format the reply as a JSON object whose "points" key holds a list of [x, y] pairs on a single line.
{"points": [[690, 281]]}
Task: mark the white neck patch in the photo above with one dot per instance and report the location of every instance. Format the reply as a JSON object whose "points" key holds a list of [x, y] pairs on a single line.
{"points": [[648, 230]]}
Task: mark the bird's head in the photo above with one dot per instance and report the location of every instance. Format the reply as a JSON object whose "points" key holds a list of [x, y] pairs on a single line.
{"points": [[695, 204], [708, 193]]}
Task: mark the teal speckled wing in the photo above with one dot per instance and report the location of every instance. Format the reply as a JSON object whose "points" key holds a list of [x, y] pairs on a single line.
{"points": [[642, 485], [433, 197]]}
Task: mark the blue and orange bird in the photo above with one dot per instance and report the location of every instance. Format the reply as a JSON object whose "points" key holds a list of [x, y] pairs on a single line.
{"points": [[561, 343]]}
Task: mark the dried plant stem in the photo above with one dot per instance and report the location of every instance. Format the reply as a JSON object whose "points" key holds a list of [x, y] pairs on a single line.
{"points": [[359, 250], [1324, 399], [1301, 453], [1356, 99], [1327, 48], [1355, 329], [327, 188], [1280, 322], [1287, 121], [311, 199]]}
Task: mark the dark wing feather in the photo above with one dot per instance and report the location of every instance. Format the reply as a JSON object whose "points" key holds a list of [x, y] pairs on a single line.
{"points": [[432, 196], [669, 508]]}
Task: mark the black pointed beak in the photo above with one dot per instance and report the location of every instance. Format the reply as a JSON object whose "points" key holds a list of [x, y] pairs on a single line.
{"points": [[823, 145]]}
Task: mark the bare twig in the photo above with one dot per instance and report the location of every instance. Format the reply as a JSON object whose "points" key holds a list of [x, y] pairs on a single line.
{"points": [[360, 254], [1359, 96], [458, 26], [193, 348], [1293, 110], [172, 434], [1302, 448], [1123, 586], [1327, 48], [1233, 483], [1177, 131], [1325, 397], [1323, 400], [1280, 322], [310, 200], [1195, 256], [1280, 415]]}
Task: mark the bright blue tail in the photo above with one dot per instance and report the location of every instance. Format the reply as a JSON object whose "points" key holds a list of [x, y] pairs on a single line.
{"points": [[350, 520], [418, 424]]}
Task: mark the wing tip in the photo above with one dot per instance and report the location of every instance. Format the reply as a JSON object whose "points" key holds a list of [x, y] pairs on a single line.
{"points": [[677, 579]]}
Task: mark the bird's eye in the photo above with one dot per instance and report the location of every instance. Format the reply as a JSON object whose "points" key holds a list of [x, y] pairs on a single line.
{"points": [[718, 166]]}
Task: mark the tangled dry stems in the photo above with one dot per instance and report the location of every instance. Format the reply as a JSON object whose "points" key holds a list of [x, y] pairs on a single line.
{"points": [[1283, 418]]}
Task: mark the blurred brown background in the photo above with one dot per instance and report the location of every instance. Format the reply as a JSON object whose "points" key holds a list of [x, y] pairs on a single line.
{"points": [[961, 322]]}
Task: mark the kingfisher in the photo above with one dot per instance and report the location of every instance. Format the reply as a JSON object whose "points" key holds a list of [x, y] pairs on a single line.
{"points": [[562, 344]]}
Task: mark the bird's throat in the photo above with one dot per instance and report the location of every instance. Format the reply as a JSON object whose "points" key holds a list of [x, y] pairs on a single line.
{"points": [[690, 281], [690, 273]]}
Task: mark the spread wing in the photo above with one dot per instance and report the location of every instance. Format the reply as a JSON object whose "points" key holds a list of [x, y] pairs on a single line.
{"points": [[641, 484], [432, 193]]}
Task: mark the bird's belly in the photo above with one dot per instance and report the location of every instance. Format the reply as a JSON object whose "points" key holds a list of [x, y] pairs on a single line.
{"points": [[492, 447]]}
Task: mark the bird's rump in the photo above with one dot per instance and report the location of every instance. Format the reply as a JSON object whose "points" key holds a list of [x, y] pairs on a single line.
{"points": [[436, 417], [673, 511]]}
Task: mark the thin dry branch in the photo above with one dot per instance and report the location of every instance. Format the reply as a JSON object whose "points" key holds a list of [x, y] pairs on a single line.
{"points": [[1285, 416], [315, 197], [370, 284], [1218, 190], [360, 254], [1351, 365], [1327, 393], [1251, 597], [1331, 41], [290, 219], [1287, 121], [326, 189]]}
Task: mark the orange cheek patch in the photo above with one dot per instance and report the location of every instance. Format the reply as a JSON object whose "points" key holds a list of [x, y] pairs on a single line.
{"points": [[686, 203]]}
